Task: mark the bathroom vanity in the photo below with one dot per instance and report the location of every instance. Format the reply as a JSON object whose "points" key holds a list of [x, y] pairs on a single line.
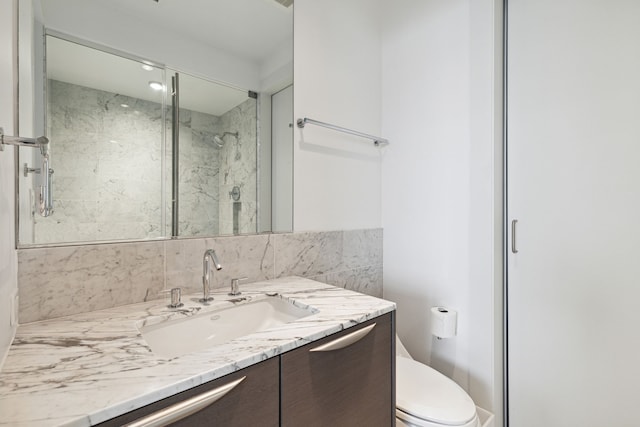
{"points": [[333, 366]]}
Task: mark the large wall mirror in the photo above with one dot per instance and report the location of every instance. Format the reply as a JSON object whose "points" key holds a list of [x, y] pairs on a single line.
{"points": [[166, 119]]}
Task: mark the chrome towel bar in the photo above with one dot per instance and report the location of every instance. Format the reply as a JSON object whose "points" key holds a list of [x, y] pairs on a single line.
{"points": [[377, 141]]}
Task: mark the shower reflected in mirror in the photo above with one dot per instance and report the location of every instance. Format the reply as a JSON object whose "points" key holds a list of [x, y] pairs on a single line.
{"points": [[213, 120], [219, 139], [113, 151]]}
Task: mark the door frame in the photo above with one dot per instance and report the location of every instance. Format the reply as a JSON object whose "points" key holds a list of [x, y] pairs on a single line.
{"points": [[505, 215]]}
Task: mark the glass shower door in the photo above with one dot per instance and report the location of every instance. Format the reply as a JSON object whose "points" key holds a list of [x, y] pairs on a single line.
{"points": [[104, 118]]}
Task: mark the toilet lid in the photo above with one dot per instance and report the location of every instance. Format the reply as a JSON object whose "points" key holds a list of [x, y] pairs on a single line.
{"points": [[425, 393]]}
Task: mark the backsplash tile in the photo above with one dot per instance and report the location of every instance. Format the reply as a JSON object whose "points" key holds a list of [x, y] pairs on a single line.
{"points": [[60, 281], [240, 256], [54, 282], [366, 280], [308, 254], [361, 248]]}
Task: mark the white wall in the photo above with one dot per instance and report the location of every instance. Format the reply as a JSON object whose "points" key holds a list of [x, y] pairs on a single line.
{"points": [[440, 79], [282, 161], [8, 259], [426, 181], [337, 80]]}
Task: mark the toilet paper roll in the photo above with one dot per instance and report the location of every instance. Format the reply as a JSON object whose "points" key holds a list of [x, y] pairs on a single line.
{"points": [[444, 322]]}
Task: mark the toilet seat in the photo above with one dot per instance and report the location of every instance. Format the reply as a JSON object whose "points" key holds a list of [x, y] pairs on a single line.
{"points": [[425, 397]]}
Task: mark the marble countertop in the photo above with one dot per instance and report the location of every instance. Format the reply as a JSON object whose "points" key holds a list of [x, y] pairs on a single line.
{"points": [[87, 368]]}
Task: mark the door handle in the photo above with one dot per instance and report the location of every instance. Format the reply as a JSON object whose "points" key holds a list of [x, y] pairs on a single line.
{"points": [[345, 341], [514, 249], [181, 410]]}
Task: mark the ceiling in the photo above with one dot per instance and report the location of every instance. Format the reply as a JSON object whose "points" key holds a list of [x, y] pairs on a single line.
{"points": [[250, 29], [73, 63]]}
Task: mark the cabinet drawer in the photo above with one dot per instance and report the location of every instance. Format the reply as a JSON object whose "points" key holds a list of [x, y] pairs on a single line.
{"points": [[252, 402], [349, 386]]}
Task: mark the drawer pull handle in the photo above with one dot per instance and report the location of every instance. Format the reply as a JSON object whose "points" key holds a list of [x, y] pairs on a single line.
{"points": [[514, 248], [346, 340], [181, 410]]}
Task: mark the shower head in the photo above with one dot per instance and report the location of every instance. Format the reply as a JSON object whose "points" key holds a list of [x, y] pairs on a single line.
{"points": [[218, 139]]}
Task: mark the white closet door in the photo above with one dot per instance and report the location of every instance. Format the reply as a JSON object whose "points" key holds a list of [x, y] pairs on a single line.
{"points": [[574, 187]]}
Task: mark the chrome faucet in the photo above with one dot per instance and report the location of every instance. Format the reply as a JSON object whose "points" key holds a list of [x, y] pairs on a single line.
{"points": [[209, 258]]}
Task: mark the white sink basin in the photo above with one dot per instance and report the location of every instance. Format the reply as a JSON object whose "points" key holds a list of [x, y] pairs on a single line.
{"points": [[178, 337]]}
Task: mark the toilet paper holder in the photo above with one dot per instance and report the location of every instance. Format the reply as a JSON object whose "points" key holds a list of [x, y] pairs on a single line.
{"points": [[444, 322]]}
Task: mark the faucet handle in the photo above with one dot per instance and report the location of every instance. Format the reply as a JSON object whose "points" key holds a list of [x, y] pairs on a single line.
{"points": [[235, 286], [176, 294]]}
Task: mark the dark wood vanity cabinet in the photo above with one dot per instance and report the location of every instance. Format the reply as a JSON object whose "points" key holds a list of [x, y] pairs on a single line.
{"points": [[345, 379], [252, 402], [349, 386]]}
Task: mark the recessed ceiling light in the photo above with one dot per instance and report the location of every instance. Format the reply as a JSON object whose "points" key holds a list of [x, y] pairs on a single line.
{"points": [[147, 67], [124, 105], [156, 85]]}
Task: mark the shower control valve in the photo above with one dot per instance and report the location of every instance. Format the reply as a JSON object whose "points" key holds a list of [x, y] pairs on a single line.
{"points": [[235, 193]]}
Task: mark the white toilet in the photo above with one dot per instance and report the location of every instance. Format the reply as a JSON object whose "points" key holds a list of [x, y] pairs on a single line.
{"points": [[426, 398]]}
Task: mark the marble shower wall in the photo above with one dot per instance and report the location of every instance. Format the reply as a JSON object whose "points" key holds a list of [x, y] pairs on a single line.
{"points": [[55, 282], [238, 167], [107, 153], [199, 173]]}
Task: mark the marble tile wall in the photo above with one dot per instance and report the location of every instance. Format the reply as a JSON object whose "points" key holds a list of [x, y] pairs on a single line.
{"points": [[55, 282], [199, 175], [238, 167], [107, 155]]}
